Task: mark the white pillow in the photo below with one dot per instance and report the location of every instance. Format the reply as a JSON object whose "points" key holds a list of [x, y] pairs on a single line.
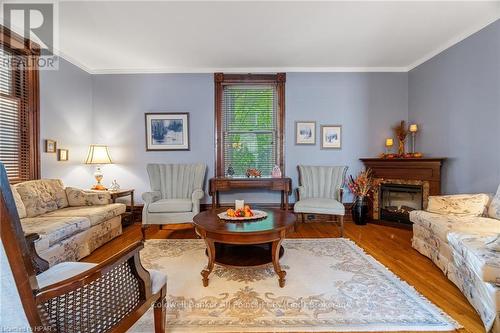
{"points": [[494, 209], [460, 204]]}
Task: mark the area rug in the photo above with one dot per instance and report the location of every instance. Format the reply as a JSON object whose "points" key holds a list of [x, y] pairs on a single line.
{"points": [[331, 285]]}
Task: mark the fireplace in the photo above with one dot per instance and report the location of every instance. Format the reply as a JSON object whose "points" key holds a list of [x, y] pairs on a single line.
{"points": [[408, 182], [398, 200]]}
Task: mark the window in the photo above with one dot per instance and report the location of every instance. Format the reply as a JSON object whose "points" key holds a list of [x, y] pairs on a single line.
{"points": [[18, 108], [249, 123]]}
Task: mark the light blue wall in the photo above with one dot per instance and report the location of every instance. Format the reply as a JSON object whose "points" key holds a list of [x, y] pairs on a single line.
{"points": [[120, 102], [455, 97], [66, 116], [366, 104]]}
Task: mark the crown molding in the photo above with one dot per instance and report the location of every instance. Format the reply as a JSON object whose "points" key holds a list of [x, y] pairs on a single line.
{"points": [[452, 42], [74, 62], [194, 70]]}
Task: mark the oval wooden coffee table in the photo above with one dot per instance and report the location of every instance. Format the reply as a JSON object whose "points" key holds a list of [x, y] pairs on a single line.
{"points": [[248, 243]]}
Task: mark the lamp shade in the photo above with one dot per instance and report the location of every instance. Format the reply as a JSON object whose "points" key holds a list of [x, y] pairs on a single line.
{"points": [[389, 142], [98, 154], [413, 128]]}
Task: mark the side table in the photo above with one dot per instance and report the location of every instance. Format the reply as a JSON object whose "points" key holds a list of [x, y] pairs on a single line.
{"points": [[128, 218]]}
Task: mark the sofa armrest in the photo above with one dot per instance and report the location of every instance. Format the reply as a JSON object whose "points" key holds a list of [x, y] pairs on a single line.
{"points": [[150, 197]]}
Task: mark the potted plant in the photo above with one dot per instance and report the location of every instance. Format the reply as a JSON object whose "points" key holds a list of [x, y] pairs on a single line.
{"points": [[361, 186]]}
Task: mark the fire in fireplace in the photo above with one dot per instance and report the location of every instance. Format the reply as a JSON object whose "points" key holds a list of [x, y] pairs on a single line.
{"points": [[398, 200]]}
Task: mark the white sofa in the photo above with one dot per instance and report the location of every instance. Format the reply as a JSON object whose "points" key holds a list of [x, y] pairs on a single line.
{"points": [[71, 223], [454, 233]]}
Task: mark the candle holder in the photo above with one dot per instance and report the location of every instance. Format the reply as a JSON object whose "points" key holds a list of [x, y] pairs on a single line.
{"points": [[389, 142], [413, 131]]}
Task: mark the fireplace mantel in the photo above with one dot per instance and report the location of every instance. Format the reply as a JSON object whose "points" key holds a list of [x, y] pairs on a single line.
{"points": [[424, 169]]}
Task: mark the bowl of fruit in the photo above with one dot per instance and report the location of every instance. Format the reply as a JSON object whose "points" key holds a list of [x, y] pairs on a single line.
{"points": [[242, 214]]}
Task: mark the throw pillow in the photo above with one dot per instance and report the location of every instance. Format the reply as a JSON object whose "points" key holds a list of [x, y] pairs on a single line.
{"points": [[461, 204], [21, 210], [42, 196], [78, 197], [494, 243], [494, 210]]}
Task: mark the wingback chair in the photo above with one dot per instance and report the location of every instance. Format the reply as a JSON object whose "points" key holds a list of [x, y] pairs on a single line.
{"points": [[72, 296], [176, 191], [320, 192]]}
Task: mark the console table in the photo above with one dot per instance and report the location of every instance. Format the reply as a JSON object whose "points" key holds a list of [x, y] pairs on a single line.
{"points": [[225, 184]]}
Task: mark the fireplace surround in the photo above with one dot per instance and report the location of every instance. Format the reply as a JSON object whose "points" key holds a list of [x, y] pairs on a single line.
{"points": [[404, 184]]}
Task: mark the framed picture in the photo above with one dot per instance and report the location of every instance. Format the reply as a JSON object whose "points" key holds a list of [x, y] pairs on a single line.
{"points": [[50, 146], [62, 155], [167, 131], [331, 137], [305, 132]]}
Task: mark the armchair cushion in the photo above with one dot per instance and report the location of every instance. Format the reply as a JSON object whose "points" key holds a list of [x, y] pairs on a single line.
{"points": [[61, 272], [53, 229], [95, 214], [461, 204], [319, 206], [171, 206], [78, 197], [65, 270], [494, 209], [42, 196]]}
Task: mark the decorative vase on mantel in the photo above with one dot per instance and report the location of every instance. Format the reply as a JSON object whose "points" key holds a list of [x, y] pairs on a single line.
{"points": [[359, 210]]}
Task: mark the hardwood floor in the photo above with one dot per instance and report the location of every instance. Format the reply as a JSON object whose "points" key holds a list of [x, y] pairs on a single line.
{"points": [[390, 246]]}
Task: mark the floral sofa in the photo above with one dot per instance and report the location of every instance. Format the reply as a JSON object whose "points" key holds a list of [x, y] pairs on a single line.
{"points": [[71, 223], [457, 233]]}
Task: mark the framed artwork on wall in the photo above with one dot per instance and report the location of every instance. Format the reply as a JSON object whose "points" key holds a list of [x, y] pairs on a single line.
{"points": [[62, 155], [167, 131], [305, 132], [331, 136], [50, 146]]}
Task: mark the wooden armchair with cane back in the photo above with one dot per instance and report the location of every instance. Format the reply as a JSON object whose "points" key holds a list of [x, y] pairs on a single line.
{"points": [[72, 296]]}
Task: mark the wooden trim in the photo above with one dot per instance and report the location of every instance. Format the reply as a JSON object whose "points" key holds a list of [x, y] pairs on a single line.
{"points": [[220, 80], [25, 47]]}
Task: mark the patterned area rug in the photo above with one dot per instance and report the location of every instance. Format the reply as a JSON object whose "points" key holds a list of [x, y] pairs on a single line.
{"points": [[331, 285]]}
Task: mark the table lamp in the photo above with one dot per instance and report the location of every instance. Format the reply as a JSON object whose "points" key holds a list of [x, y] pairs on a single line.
{"points": [[98, 154], [388, 145], [413, 130]]}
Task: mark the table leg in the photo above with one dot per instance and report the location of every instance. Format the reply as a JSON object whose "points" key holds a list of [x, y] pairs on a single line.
{"points": [[211, 260], [132, 208], [286, 200], [282, 205], [276, 262]]}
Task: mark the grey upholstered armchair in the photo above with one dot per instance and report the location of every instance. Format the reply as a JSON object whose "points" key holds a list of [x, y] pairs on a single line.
{"points": [[320, 192], [176, 193]]}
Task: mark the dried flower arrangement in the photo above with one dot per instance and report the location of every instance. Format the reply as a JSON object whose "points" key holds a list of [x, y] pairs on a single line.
{"points": [[401, 133], [363, 184]]}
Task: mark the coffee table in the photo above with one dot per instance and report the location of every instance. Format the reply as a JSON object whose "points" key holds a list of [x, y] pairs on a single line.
{"points": [[244, 243]]}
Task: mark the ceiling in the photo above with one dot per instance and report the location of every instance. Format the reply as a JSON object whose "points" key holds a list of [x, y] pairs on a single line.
{"points": [[261, 36]]}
